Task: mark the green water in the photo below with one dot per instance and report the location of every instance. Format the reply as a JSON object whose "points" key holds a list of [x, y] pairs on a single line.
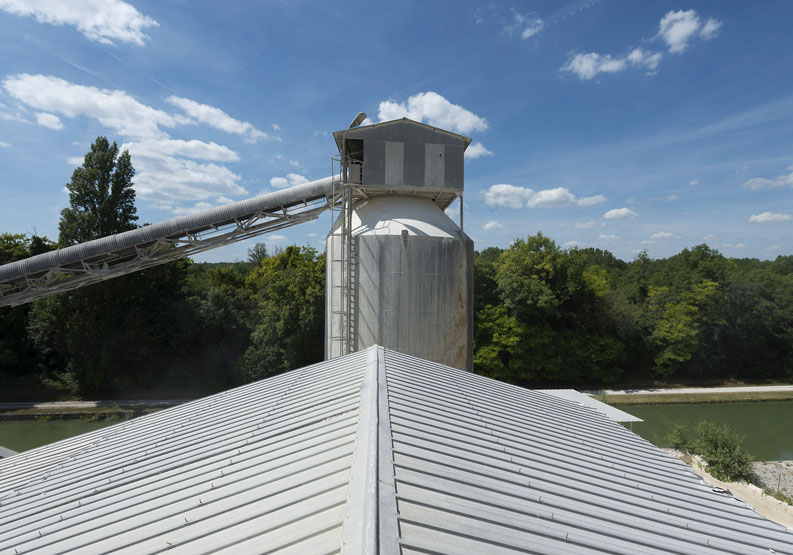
{"points": [[21, 435], [768, 427]]}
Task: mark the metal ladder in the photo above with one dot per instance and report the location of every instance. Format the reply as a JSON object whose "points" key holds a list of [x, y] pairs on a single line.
{"points": [[343, 258]]}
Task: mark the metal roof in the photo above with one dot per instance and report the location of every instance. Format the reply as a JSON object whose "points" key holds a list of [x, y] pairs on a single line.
{"points": [[612, 413], [372, 452], [365, 130]]}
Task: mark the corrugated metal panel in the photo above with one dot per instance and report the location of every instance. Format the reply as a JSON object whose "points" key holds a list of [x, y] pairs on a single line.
{"points": [[434, 166], [373, 452], [612, 413], [485, 467], [263, 465], [394, 163]]}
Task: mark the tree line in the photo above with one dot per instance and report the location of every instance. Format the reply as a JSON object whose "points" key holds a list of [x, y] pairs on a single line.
{"points": [[543, 315]]}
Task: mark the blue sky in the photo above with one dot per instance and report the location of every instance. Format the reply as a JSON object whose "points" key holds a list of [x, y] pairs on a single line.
{"points": [[621, 125]]}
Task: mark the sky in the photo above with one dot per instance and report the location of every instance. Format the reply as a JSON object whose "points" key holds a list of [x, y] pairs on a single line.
{"points": [[626, 126]]}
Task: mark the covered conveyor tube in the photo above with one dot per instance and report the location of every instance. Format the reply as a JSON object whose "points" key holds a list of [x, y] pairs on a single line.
{"points": [[71, 267]]}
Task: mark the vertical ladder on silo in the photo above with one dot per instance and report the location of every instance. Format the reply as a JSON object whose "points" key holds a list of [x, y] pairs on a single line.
{"points": [[343, 335]]}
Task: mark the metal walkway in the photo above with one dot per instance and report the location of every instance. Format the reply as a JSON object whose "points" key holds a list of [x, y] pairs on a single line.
{"points": [[72, 267]]}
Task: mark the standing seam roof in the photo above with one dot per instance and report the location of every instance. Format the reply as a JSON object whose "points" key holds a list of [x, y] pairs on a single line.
{"points": [[374, 452]]}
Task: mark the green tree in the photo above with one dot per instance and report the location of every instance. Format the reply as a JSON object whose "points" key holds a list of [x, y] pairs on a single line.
{"points": [[18, 357], [101, 196], [257, 254], [289, 292], [552, 323]]}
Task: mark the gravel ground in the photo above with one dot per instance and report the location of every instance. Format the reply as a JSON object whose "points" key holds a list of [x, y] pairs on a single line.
{"points": [[771, 473]]}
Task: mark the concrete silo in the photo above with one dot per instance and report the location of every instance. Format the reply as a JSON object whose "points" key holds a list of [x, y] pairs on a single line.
{"points": [[399, 270]]}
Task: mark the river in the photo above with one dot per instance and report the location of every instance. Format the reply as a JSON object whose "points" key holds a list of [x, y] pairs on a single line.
{"points": [[767, 426]]}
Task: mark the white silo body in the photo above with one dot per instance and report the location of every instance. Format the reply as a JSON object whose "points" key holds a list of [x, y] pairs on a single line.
{"points": [[413, 281], [399, 270]]}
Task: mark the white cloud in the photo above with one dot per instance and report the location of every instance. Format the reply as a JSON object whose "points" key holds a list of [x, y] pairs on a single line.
{"points": [[434, 109], [670, 198], [532, 27], [4, 144], [586, 225], [770, 218], [571, 244], [693, 183], [75, 160], [99, 20], [739, 245], [277, 238], [644, 58], [586, 66], [475, 150], [492, 225], [275, 127], [169, 171], [296, 179], [665, 235], [527, 25], [224, 200], [288, 181], [112, 108], [312, 235], [774, 248], [511, 196], [176, 147], [620, 213], [675, 28], [507, 195], [168, 178], [294, 163], [49, 120], [646, 242], [591, 201], [710, 29], [756, 183], [217, 118], [678, 28], [607, 237], [186, 210], [710, 237]]}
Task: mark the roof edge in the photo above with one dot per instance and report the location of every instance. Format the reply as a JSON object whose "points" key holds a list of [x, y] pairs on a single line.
{"points": [[338, 135]]}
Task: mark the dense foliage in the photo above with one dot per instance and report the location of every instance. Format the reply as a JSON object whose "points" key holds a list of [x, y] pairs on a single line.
{"points": [[581, 316], [719, 446], [543, 316]]}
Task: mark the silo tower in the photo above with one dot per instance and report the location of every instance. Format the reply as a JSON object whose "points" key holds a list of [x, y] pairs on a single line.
{"points": [[399, 270]]}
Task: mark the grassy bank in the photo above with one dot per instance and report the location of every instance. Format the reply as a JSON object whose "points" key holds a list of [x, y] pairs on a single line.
{"points": [[88, 413], [697, 398]]}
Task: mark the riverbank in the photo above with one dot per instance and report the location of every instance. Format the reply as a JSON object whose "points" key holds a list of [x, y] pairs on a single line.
{"points": [[771, 508], [695, 395], [88, 410]]}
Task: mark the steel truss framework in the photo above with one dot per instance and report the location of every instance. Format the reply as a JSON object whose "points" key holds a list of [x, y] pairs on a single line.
{"points": [[29, 286]]}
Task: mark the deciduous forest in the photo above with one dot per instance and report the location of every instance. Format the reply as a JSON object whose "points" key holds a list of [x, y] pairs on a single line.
{"points": [[544, 316]]}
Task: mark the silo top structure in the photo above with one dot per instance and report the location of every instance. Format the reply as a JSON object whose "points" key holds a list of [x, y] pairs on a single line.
{"points": [[399, 270], [404, 156]]}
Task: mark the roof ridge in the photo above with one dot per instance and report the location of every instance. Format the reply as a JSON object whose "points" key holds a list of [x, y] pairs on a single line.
{"points": [[370, 519]]}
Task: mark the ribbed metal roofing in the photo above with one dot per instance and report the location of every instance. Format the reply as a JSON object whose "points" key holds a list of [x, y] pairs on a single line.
{"points": [[373, 452], [612, 413]]}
